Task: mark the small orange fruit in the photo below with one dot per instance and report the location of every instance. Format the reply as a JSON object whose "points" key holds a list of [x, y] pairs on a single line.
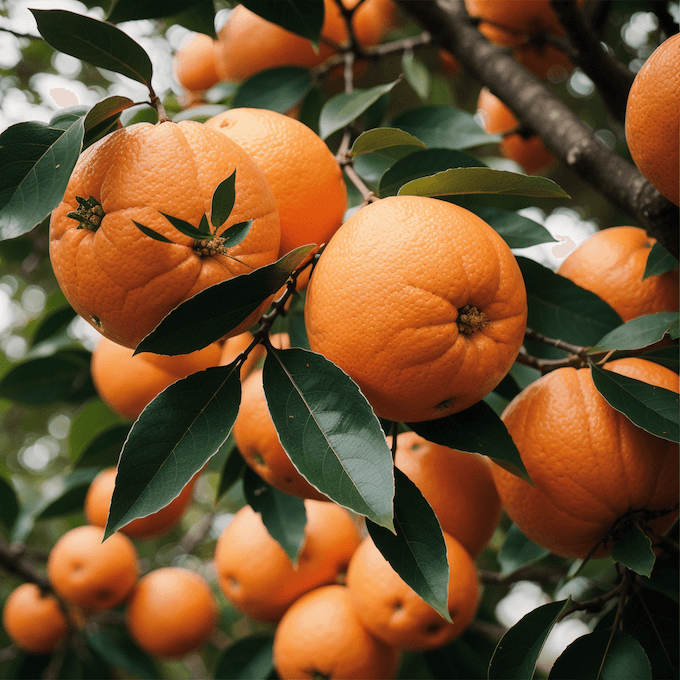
{"points": [[458, 486], [594, 471], [396, 614], [171, 612], [33, 620], [611, 264], [421, 341], [121, 280], [91, 574], [194, 63], [321, 636], [256, 575]]}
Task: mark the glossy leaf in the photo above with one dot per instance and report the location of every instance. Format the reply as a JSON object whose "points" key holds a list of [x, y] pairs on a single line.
{"points": [[188, 229], [236, 233], [517, 653], [103, 117], [605, 655], [277, 89], [72, 495], [223, 200], [104, 449], [304, 17], [560, 309], [477, 430], [330, 432], [383, 138], [195, 415], [635, 551], [342, 109], [95, 42], [117, 648], [9, 504], [199, 17], [417, 552], [518, 551], [517, 231], [283, 515], [652, 408], [52, 324], [148, 231], [416, 73], [666, 356], [248, 658], [233, 469], [659, 261], [131, 10], [637, 333], [212, 313]]}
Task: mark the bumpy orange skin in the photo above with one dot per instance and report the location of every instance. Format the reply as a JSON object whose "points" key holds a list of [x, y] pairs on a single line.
{"points": [[611, 264], [653, 119], [590, 465], [384, 300], [321, 636], [124, 282]]}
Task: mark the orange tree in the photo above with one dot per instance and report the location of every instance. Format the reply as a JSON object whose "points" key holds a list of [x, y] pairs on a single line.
{"points": [[164, 236]]}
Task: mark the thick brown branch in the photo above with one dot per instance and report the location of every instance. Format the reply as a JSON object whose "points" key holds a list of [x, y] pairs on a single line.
{"points": [[13, 559]]}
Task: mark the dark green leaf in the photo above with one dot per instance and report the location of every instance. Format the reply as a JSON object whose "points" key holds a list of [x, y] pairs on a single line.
{"points": [[72, 496], [199, 232], [303, 17], [341, 109], [130, 10], [516, 654], [477, 430], [52, 324], [666, 356], [9, 504], [200, 18], [603, 655], [212, 313], [232, 470], [277, 89], [416, 73], [634, 551], [103, 116], [417, 552], [120, 651], [637, 333], [223, 200], [37, 161], [517, 231], [383, 138], [151, 233], [518, 551], [283, 515], [236, 233], [95, 42], [195, 415], [560, 309], [104, 449], [248, 658], [659, 262], [330, 432], [652, 408]]}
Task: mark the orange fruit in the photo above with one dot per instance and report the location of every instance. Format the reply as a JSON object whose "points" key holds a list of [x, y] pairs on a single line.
{"points": [[300, 170], [544, 61], [611, 264], [194, 63], [396, 614], [247, 43], [256, 575], [458, 486], [449, 65], [653, 118], [528, 152], [258, 441], [121, 280], [519, 16], [91, 574], [419, 301], [171, 612], [321, 636], [98, 500], [592, 468], [33, 620], [127, 382]]}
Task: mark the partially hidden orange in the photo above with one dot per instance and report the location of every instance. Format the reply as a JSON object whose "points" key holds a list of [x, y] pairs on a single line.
{"points": [[194, 63]]}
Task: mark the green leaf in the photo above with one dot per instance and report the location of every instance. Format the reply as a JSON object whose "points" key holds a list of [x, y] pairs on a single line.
{"points": [[342, 109], [236, 233], [223, 199], [477, 430], [103, 117], [634, 551], [72, 496], [37, 161], [248, 658], [637, 333], [330, 432], [283, 515], [604, 655], [444, 126], [303, 17], [104, 449], [416, 73], [9, 504], [652, 408], [559, 308], [659, 261], [518, 551], [516, 654], [188, 229], [52, 324], [666, 356], [212, 313], [277, 89], [148, 231], [200, 18], [195, 415], [517, 231], [383, 138], [233, 469], [131, 10], [417, 552], [95, 42], [116, 646], [63, 376]]}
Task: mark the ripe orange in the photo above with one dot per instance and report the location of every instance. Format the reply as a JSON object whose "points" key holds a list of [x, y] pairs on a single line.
{"points": [[519, 16], [33, 620], [194, 63], [321, 636], [611, 264], [258, 441], [653, 118], [305, 178], [89, 573], [591, 467], [528, 152], [171, 612], [98, 500], [256, 575], [127, 383], [124, 282], [419, 301], [395, 613], [458, 486]]}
